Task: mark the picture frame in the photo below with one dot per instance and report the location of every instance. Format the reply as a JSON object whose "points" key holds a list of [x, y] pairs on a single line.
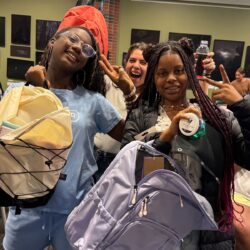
{"points": [[196, 38], [247, 62], [17, 68], [2, 31], [20, 29], [45, 29], [147, 36], [229, 53], [19, 51]]}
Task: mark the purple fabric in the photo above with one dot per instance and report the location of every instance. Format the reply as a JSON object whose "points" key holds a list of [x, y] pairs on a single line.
{"points": [[107, 219]]}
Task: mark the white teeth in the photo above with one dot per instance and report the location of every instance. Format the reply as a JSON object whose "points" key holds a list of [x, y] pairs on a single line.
{"points": [[72, 56], [135, 75]]}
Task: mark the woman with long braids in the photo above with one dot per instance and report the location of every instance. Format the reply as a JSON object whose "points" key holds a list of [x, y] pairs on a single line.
{"points": [[74, 75], [208, 157]]}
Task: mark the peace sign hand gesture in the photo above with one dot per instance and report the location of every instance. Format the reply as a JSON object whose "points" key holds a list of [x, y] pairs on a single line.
{"points": [[225, 92], [118, 75]]}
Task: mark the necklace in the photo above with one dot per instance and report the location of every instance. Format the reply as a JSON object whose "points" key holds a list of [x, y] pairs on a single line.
{"points": [[175, 107]]}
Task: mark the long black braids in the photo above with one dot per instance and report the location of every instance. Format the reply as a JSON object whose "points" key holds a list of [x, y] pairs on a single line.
{"points": [[149, 93], [91, 76], [213, 114]]}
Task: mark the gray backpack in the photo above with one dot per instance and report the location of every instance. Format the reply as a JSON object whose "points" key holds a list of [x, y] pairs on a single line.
{"points": [[127, 210]]}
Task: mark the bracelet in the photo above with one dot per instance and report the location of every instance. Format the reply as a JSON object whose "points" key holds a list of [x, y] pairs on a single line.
{"points": [[132, 101], [131, 93]]}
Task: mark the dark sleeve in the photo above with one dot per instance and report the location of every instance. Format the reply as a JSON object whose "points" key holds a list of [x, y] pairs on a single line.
{"points": [[161, 146], [240, 120], [133, 126]]}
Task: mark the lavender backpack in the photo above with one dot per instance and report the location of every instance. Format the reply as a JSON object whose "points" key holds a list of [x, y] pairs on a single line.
{"points": [[126, 210]]}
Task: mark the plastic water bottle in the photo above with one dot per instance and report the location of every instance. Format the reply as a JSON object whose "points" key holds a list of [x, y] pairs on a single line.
{"points": [[201, 52]]}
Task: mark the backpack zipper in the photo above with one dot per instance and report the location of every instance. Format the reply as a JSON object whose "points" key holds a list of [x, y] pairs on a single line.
{"points": [[147, 197], [142, 216], [134, 195], [143, 210]]}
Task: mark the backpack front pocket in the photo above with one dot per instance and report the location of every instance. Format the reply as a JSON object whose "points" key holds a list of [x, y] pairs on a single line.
{"points": [[145, 234], [93, 230]]}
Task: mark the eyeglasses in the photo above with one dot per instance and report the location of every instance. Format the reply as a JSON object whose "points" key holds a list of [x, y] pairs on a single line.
{"points": [[87, 49]]}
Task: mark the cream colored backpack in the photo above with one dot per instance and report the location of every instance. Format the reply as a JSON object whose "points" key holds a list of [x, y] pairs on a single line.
{"points": [[35, 137]]}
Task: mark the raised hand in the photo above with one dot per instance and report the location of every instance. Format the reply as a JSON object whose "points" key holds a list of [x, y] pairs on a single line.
{"points": [[208, 63], [118, 75], [111, 71], [225, 92], [36, 75]]}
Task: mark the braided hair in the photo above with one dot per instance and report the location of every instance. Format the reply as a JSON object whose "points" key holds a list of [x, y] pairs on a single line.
{"points": [[213, 114], [91, 76]]}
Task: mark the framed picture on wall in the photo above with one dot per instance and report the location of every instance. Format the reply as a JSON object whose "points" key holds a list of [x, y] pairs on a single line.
{"points": [[16, 68], [20, 51], [44, 31], [20, 29], [247, 62], [2, 31], [229, 53], [196, 38], [147, 36]]}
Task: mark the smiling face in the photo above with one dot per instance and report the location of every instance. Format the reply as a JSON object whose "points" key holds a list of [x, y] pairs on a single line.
{"points": [[239, 76], [136, 67], [171, 79], [67, 50]]}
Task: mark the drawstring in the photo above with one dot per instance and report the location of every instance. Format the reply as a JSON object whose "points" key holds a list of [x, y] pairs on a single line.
{"points": [[46, 224], [43, 221], [50, 226]]}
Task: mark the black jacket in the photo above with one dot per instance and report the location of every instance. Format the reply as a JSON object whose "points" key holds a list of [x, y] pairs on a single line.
{"points": [[209, 148]]}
